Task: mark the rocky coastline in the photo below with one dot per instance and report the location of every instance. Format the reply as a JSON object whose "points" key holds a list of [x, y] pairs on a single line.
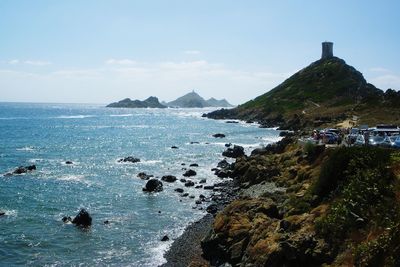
{"points": [[290, 207]]}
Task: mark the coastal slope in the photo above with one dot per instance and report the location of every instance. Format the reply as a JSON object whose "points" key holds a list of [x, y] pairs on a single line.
{"points": [[326, 91]]}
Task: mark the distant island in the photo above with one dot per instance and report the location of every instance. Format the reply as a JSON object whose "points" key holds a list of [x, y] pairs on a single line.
{"points": [[190, 100], [151, 102]]}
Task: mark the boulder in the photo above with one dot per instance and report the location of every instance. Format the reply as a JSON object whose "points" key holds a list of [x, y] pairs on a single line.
{"points": [[83, 219], [235, 152], [129, 159], [66, 219], [208, 187], [198, 186], [189, 183], [22, 169], [228, 145], [222, 174], [203, 181], [179, 190], [189, 173], [184, 194], [144, 176], [153, 185], [212, 209], [168, 178], [194, 165], [165, 238], [223, 164], [218, 135]]}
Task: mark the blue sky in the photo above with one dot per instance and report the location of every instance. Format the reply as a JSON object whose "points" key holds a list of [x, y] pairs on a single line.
{"points": [[102, 51]]}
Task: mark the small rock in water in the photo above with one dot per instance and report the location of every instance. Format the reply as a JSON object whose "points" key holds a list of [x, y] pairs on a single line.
{"points": [[191, 196], [189, 173], [183, 164], [183, 180], [179, 190], [203, 181], [185, 194], [2, 213], [218, 135], [68, 162], [153, 185], [169, 178], [22, 169], [198, 202], [198, 186], [194, 165], [144, 176], [189, 183], [192, 143], [165, 238], [106, 222], [66, 219], [228, 145], [82, 219], [129, 159], [208, 187], [159, 212], [174, 147]]}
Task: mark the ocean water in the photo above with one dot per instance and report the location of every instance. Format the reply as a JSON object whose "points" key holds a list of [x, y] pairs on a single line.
{"points": [[94, 138]]}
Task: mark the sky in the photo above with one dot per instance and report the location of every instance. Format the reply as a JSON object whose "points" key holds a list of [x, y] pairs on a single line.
{"points": [[97, 51]]}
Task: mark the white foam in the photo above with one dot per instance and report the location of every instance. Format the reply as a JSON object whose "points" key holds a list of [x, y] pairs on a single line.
{"points": [[150, 162], [71, 177], [13, 213], [26, 148], [122, 115], [74, 116]]}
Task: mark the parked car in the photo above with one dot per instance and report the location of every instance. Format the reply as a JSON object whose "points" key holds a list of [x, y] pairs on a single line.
{"points": [[389, 141], [330, 138], [351, 138], [360, 141], [376, 140], [397, 142]]}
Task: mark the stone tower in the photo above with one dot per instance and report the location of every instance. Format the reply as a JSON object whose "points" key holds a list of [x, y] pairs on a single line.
{"points": [[327, 50]]}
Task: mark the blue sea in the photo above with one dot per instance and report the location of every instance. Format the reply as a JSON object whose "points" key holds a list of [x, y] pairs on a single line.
{"points": [[94, 138]]}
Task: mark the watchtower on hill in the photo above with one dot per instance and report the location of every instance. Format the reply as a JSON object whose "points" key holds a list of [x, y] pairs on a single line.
{"points": [[327, 50]]}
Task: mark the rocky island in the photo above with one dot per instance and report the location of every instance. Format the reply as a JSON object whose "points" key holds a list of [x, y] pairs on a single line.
{"points": [[151, 102], [194, 100]]}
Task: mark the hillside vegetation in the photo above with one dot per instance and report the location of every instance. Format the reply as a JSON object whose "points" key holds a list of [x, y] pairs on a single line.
{"points": [[326, 91]]}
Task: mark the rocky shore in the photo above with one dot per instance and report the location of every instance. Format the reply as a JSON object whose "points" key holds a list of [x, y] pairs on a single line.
{"points": [[298, 205]]}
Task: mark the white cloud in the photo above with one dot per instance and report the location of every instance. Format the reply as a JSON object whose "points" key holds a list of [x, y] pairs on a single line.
{"points": [[167, 80], [125, 61], [191, 52], [29, 62], [13, 61], [37, 62], [387, 81], [379, 69]]}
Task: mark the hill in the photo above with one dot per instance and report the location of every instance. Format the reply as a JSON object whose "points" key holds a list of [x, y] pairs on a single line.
{"points": [[194, 100], [151, 102], [327, 91]]}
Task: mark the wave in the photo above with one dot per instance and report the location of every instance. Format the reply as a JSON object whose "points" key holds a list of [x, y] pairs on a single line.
{"points": [[26, 148], [73, 116], [74, 178], [10, 213], [122, 115]]}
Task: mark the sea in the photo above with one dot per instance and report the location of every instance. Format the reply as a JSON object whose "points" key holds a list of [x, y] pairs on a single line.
{"points": [[94, 138]]}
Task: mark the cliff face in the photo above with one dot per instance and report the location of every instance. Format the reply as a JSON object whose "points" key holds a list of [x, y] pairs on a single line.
{"points": [[151, 102], [339, 207], [328, 89]]}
